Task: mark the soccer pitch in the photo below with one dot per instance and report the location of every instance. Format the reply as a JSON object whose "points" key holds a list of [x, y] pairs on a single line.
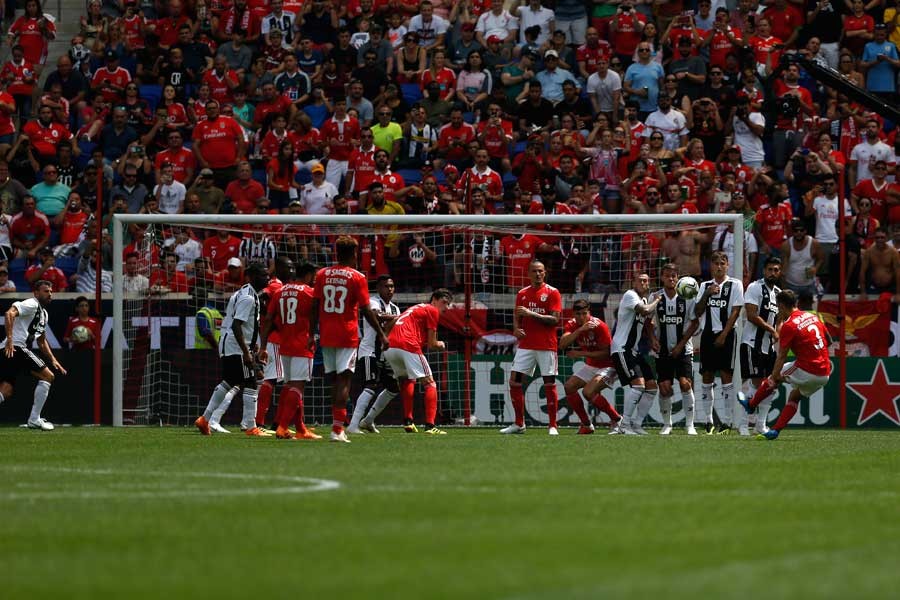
{"points": [[167, 513]]}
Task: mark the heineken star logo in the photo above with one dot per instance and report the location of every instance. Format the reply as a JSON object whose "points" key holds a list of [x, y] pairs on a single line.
{"points": [[879, 395]]}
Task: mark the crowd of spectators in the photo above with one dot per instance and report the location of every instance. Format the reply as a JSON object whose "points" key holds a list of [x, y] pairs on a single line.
{"points": [[398, 107]]}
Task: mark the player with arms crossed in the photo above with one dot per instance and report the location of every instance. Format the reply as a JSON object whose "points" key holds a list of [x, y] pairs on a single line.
{"points": [[806, 336], [676, 323], [238, 346], [341, 293], [371, 368], [26, 321], [760, 337], [414, 329], [288, 313], [718, 308], [631, 366], [593, 339], [535, 318]]}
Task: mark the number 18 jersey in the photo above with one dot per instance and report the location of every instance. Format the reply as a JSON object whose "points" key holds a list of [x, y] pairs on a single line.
{"points": [[290, 307], [340, 291]]}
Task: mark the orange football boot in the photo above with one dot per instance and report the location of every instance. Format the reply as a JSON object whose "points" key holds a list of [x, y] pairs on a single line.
{"points": [[203, 425]]}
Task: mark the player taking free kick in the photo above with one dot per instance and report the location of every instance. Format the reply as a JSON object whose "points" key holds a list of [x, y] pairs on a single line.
{"points": [[535, 318], [805, 334]]}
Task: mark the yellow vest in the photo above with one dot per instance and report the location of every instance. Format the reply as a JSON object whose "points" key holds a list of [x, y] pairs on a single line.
{"points": [[214, 318]]}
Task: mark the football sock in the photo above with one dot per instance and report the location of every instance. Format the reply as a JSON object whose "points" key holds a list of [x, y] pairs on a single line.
{"points": [[518, 402], [728, 414], [751, 391], [787, 413], [216, 399], [762, 410], [223, 406], [687, 401], [576, 404], [383, 399], [299, 424], [606, 408], [766, 388], [264, 399], [289, 400], [40, 397], [665, 408], [643, 408], [707, 397], [338, 417], [431, 400], [248, 420], [552, 402], [362, 405], [407, 394], [632, 396]]}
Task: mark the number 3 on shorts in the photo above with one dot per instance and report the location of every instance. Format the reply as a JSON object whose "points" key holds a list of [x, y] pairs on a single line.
{"points": [[334, 299]]}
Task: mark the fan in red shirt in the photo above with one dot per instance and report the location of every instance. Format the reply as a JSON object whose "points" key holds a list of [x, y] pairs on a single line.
{"points": [[33, 31], [218, 141], [805, 335], [110, 81], [342, 293], [414, 331], [876, 190], [73, 220], [764, 44], [7, 108], [167, 279], [626, 28], [455, 137], [46, 271], [593, 339], [773, 221], [45, 134], [341, 136], [484, 177], [361, 167], [272, 103], [182, 160], [82, 318], [722, 39], [519, 251], [219, 248], [222, 81], [786, 20], [18, 74], [537, 312], [589, 54], [495, 134]]}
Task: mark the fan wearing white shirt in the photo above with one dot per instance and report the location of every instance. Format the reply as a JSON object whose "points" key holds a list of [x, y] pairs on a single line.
{"points": [[317, 195], [496, 22], [169, 193], [531, 13]]}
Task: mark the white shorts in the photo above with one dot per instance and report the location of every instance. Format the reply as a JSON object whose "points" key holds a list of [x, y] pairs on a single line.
{"points": [[407, 365], [335, 170], [587, 373], [272, 369], [297, 368], [806, 383], [545, 360], [339, 359]]}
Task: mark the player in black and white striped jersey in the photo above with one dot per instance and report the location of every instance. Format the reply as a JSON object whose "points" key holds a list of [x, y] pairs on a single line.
{"points": [[258, 248], [26, 321], [760, 337], [631, 366], [718, 308], [676, 323], [371, 369]]}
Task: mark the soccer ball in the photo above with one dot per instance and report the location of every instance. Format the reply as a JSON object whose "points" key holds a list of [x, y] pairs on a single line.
{"points": [[687, 287], [80, 334]]}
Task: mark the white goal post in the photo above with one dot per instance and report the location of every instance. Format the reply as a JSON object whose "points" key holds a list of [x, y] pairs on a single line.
{"points": [[346, 224]]}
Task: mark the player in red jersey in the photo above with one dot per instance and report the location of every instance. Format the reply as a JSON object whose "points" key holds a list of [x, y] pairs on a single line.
{"points": [[414, 329], [272, 373], [341, 293], [593, 339], [805, 335], [288, 315], [535, 318]]}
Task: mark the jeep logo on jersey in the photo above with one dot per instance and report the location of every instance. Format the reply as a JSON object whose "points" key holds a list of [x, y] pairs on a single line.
{"points": [[671, 320], [718, 302]]}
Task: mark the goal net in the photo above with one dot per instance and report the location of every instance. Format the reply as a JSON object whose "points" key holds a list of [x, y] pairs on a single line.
{"points": [[172, 277]]}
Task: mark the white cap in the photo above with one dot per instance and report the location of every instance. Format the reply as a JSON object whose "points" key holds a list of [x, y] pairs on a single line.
{"points": [[235, 262]]}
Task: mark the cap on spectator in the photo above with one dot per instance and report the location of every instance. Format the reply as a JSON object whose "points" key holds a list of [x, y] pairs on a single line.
{"points": [[684, 41], [112, 55], [532, 54], [880, 26], [797, 224], [206, 173], [234, 261], [451, 169], [552, 53], [318, 168], [494, 39], [734, 148], [468, 27], [428, 166], [295, 203]]}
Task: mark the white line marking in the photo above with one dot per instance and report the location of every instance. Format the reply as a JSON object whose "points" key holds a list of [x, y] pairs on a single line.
{"points": [[297, 485]]}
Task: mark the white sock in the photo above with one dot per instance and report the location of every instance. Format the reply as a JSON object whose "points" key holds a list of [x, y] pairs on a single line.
{"points": [[665, 407], [751, 391], [729, 415], [644, 406], [762, 410], [687, 402], [362, 405], [41, 390], [707, 398], [248, 420], [216, 399], [216, 417], [383, 399], [632, 397]]}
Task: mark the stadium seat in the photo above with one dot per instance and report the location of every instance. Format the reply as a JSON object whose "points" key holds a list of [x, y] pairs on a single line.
{"points": [[410, 176], [519, 148], [86, 148], [260, 176], [509, 179], [67, 264], [17, 274], [152, 94], [411, 92]]}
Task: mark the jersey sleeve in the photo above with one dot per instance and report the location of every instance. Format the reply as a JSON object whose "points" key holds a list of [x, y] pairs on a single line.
{"points": [[317, 286], [432, 316], [243, 308], [602, 335], [520, 298], [569, 326], [362, 289], [273, 303], [27, 308], [754, 294], [555, 301], [630, 300], [737, 293], [787, 333]]}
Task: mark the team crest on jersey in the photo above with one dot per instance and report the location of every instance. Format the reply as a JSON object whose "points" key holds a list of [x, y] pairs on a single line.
{"points": [[221, 124], [54, 133], [543, 297]]}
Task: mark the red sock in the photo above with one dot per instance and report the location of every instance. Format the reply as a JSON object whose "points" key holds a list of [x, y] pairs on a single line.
{"points": [[431, 400], [338, 417], [576, 404], [765, 388], [407, 393], [263, 400], [518, 402], [605, 407], [289, 400], [787, 413], [299, 425], [552, 402]]}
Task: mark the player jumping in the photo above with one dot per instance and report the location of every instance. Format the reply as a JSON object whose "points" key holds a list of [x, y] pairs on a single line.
{"points": [[805, 334], [535, 318]]}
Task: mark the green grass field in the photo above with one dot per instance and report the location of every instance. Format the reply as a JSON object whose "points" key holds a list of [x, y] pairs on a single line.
{"points": [[166, 513]]}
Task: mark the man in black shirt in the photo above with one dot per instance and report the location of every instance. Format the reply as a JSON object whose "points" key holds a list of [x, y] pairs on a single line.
{"points": [[535, 112]]}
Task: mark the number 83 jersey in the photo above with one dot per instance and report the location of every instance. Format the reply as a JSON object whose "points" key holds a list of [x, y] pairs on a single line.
{"points": [[340, 291]]}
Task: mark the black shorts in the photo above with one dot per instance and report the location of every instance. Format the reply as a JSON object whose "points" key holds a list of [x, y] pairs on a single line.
{"points": [[630, 366], [669, 369], [374, 372], [755, 364], [23, 362], [236, 373], [714, 358]]}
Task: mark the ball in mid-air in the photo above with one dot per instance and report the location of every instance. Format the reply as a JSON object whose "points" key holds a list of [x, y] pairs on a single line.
{"points": [[687, 287], [80, 334]]}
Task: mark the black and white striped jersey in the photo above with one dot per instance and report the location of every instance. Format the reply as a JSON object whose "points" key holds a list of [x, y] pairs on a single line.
{"points": [[673, 316], [629, 324], [719, 306], [763, 297]]}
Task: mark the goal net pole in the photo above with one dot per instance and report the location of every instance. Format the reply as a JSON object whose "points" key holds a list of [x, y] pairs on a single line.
{"points": [[337, 222]]}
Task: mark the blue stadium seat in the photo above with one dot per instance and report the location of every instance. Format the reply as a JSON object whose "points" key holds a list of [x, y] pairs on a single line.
{"points": [[411, 92], [519, 148], [86, 148], [410, 176], [152, 94], [17, 274], [67, 264], [260, 176], [509, 179]]}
